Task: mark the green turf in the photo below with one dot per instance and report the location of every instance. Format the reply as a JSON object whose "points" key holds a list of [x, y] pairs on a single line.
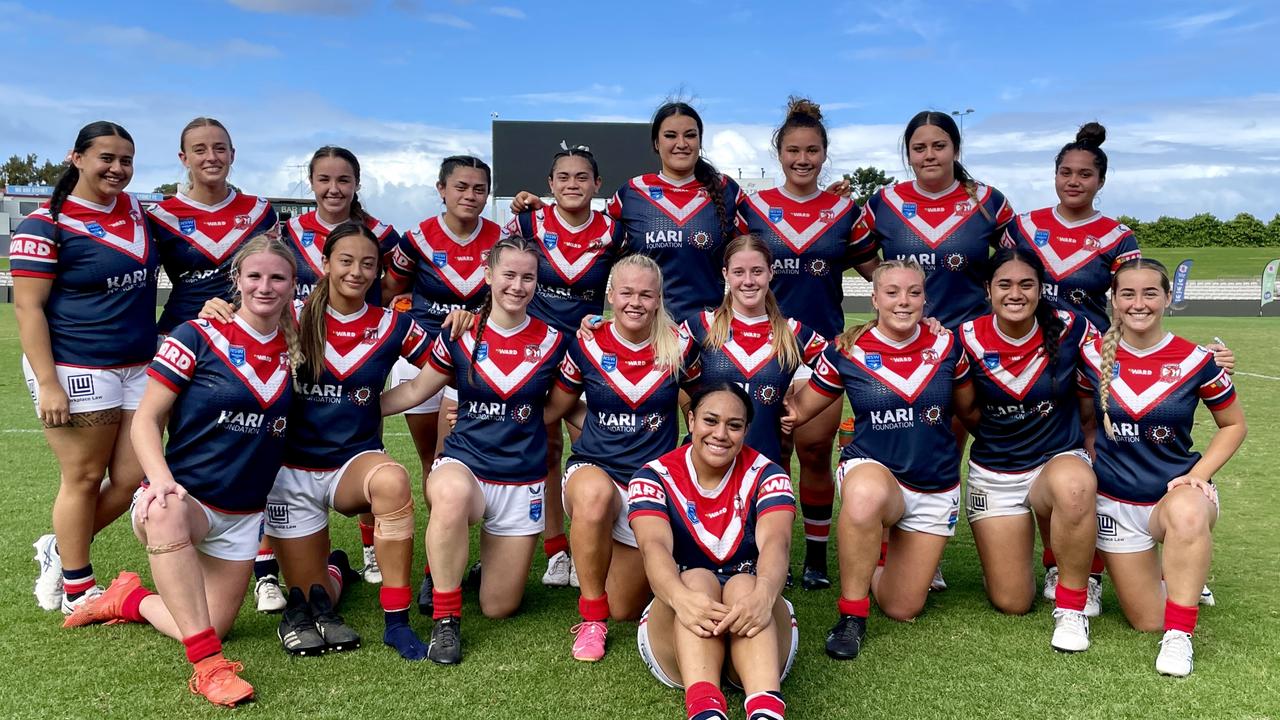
{"points": [[960, 659], [1217, 263]]}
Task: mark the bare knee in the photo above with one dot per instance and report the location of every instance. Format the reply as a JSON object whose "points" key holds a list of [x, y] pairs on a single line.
{"points": [[83, 479], [863, 502], [167, 524], [1184, 516], [1074, 496], [626, 609], [499, 608], [390, 486], [814, 454], [592, 502], [449, 495], [1011, 601], [703, 581], [901, 609]]}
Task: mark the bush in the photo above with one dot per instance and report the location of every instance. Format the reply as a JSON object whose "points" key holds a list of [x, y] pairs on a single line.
{"points": [[1205, 230]]}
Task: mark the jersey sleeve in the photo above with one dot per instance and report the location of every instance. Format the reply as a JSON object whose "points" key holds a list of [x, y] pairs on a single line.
{"points": [[33, 250], [826, 378], [1126, 249], [570, 371], [646, 495], [774, 492], [1003, 216], [416, 346], [864, 229], [811, 344], [440, 356], [613, 208], [1216, 389], [175, 362], [690, 357], [962, 374], [404, 257], [860, 247]]}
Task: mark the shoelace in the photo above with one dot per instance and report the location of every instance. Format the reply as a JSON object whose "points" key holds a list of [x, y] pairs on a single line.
{"points": [[587, 626], [448, 635], [845, 630], [211, 674], [1179, 644]]}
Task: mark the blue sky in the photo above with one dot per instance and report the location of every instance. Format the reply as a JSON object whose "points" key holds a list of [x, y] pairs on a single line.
{"points": [[1189, 91]]}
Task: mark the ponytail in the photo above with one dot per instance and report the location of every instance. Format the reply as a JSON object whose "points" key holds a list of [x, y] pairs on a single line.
{"points": [[516, 243], [1110, 341], [84, 140]]}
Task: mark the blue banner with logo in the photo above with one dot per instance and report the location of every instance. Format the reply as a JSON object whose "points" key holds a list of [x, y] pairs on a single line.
{"points": [[1180, 284]]}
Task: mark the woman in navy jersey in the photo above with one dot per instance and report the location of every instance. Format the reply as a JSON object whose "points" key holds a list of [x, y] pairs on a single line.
{"points": [[576, 249], [84, 286], [810, 233], [201, 227], [901, 471], [224, 389], [681, 216], [630, 371], [493, 464], [1028, 464], [713, 522], [1145, 383]]}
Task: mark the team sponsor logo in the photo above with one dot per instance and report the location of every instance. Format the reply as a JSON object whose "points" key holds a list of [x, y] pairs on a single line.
{"points": [[186, 225], [955, 262], [278, 514], [908, 210], [80, 386], [826, 215], [652, 422], [482, 352], [95, 229], [362, 396], [775, 214], [308, 238], [929, 356], [1160, 434], [701, 240], [1044, 408], [243, 221], [874, 361], [532, 353], [370, 335], [964, 207], [991, 359], [1170, 372], [279, 426], [535, 509], [977, 501], [1126, 432], [655, 193], [439, 258], [1077, 296], [817, 266], [932, 415], [1041, 238], [691, 511], [1091, 242], [1107, 526], [954, 516], [522, 414], [550, 240], [235, 354], [767, 394]]}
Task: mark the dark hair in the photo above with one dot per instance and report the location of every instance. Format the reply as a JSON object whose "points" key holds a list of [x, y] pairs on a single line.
{"points": [[511, 242], [357, 211], [453, 162], [1051, 324], [1089, 138], [801, 113], [710, 388], [944, 122], [703, 171], [84, 139], [312, 321], [578, 151]]}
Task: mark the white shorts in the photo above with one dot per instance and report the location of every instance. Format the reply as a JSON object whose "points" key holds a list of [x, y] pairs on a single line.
{"points": [[1126, 527], [90, 389], [646, 650], [991, 493], [802, 374], [621, 526], [299, 503], [404, 371], [231, 536], [510, 510], [935, 513]]}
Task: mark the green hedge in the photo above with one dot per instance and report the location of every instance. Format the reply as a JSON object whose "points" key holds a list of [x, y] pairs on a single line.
{"points": [[1205, 230]]}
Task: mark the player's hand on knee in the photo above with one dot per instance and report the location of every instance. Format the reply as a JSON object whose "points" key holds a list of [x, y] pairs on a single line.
{"points": [[698, 612], [749, 615]]}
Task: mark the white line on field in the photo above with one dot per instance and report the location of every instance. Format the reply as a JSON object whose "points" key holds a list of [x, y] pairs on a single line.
{"points": [[1264, 377]]}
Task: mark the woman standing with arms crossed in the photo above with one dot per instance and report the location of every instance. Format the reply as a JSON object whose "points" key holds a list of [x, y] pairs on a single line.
{"points": [[84, 287]]}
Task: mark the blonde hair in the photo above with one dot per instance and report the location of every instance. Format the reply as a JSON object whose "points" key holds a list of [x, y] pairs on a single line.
{"points": [[663, 332], [783, 341], [182, 142], [1111, 340], [846, 339], [272, 246]]}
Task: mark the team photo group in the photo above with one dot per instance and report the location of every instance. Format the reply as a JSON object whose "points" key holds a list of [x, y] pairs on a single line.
{"points": [[648, 448]]}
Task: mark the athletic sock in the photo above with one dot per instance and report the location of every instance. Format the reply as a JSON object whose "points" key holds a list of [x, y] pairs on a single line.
{"points": [[395, 603], [766, 705], [340, 570], [131, 608], [398, 634], [594, 609], [446, 603], [1180, 617], [858, 608], [1097, 566], [76, 582], [1047, 559], [1070, 598], [704, 701], [815, 507], [366, 534], [884, 553], [426, 571], [556, 544], [202, 645], [266, 564]]}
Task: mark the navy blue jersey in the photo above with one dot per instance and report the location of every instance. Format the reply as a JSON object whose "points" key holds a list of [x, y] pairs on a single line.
{"points": [[573, 265], [813, 243], [227, 426], [948, 233], [1079, 258], [306, 235], [447, 270], [632, 404], [196, 244], [103, 263], [676, 224], [901, 394], [500, 435], [1029, 409], [1152, 406], [339, 415], [747, 359], [712, 529]]}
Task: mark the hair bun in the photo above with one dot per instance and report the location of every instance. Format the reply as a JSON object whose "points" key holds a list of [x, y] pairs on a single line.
{"points": [[1091, 133], [803, 106]]}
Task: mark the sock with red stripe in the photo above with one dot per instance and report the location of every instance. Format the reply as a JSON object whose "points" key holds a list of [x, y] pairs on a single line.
{"points": [[884, 553], [594, 609], [426, 571], [1180, 617], [447, 603], [265, 564], [858, 608], [704, 701], [557, 544], [202, 645], [815, 508], [77, 581], [131, 608], [1070, 598], [366, 534], [767, 705], [1097, 566], [341, 572], [395, 611]]}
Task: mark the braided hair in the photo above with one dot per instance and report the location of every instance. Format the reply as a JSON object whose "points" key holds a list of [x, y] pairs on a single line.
{"points": [[84, 140], [704, 173], [516, 243], [1051, 324], [1111, 340]]}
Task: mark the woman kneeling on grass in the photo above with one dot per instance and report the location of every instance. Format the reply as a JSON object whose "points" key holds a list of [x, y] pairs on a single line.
{"points": [[1152, 488], [713, 522], [225, 388]]}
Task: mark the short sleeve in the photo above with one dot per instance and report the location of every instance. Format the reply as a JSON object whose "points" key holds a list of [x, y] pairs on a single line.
{"points": [[1216, 389], [175, 362], [440, 357], [861, 246], [864, 229], [812, 345], [774, 492], [415, 347], [826, 377], [404, 257], [570, 374], [1126, 249], [33, 250], [962, 365], [646, 495]]}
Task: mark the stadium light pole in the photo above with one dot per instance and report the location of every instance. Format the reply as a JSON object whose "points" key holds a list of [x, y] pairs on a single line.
{"points": [[961, 114]]}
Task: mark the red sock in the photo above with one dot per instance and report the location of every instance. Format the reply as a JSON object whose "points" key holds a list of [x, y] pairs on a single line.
{"points": [[1070, 598], [1180, 617], [264, 555], [594, 609], [426, 570], [884, 553], [336, 575], [702, 698], [1047, 559], [557, 544], [394, 599], [765, 705], [815, 508], [366, 534], [858, 608], [446, 603], [202, 645], [1097, 566], [129, 609]]}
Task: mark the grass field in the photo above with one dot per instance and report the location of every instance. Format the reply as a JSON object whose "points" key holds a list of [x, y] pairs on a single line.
{"points": [[960, 659], [1217, 263]]}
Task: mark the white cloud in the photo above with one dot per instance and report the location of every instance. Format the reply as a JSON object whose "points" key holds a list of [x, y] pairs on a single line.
{"points": [[302, 7], [508, 12], [1188, 25], [447, 20]]}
